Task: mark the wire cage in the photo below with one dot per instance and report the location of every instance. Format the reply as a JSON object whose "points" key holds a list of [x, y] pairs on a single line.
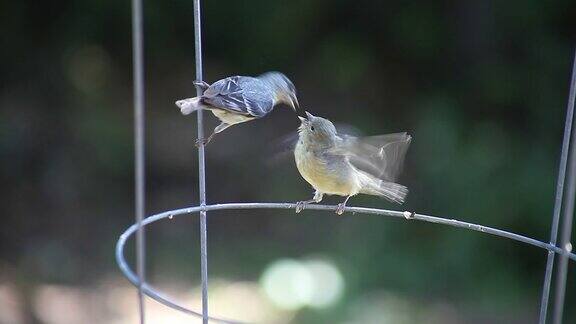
{"points": [[557, 246]]}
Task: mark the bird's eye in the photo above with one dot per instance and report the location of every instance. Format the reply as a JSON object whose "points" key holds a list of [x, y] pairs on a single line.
{"points": [[312, 128]]}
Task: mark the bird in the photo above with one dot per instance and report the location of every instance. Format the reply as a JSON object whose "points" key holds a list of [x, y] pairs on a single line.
{"points": [[345, 165], [238, 99]]}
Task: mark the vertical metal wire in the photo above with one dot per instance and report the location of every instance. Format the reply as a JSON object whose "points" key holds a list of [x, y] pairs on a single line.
{"points": [[559, 196], [562, 270], [201, 166], [140, 181]]}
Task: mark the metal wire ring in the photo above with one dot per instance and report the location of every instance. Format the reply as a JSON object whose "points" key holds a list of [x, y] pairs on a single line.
{"points": [[154, 294]]}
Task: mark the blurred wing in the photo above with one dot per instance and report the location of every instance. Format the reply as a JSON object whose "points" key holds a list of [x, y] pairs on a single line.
{"points": [[235, 95], [282, 149], [381, 155], [345, 130]]}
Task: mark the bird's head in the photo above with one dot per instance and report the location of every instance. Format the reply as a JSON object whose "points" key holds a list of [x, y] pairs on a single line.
{"points": [[317, 130], [283, 88]]}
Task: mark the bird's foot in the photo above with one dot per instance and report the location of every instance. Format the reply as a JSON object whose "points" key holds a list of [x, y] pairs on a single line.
{"points": [[201, 142], [201, 84], [300, 206], [408, 215], [204, 141], [340, 208]]}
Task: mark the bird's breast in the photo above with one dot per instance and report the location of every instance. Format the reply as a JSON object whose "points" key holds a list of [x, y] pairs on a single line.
{"points": [[328, 175], [230, 118]]}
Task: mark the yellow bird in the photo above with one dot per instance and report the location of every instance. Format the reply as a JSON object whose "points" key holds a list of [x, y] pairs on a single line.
{"points": [[346, 165]]}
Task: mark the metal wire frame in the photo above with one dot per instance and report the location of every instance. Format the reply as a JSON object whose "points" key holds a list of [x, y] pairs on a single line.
{"points": [[201, 165], [140, 199], [562, 270], [151, 292], [558, 203], [139, 172]]}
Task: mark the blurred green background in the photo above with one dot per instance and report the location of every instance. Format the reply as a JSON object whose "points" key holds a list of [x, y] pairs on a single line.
{"points": [[481, 85]]}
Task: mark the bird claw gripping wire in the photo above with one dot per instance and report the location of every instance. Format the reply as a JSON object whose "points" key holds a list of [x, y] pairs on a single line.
{"points": [[300, 205], [408, 215], [200, 141], [340, 208], [201, 84], [203, 141]]}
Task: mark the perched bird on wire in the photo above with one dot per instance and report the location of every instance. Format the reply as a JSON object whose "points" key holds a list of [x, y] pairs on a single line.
{"points": [[346, 165], [238, 99]]}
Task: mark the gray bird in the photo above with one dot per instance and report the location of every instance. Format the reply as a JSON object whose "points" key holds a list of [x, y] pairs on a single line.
{"points": [[346, 165], [238, 99]]}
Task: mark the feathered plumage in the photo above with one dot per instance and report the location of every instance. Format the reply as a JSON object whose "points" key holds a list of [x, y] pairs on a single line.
{"points": [[347, 165], [239, 99]]}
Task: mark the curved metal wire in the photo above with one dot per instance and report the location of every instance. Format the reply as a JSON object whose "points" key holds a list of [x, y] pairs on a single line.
{"points": [[148, 290]]}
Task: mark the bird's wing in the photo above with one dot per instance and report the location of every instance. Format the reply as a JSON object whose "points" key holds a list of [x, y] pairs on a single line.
{"points": [[281, 149], [381, 155], [238, 94]]}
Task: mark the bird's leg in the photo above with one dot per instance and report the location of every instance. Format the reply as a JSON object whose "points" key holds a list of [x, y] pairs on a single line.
{"points": [[316, 199], [341, 206], [218, 129], [203, 141], [201, 84]]}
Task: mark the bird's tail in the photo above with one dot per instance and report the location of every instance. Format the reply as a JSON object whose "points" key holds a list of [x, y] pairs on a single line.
{"points": [[189, 105], [389, 190]]}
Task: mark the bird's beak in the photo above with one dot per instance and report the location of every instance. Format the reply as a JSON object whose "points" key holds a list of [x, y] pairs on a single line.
{"points": [[294, 102]]}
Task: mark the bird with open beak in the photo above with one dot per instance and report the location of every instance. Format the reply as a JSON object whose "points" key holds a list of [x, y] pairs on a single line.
{"points": [[238, 99], [336, 164]]}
